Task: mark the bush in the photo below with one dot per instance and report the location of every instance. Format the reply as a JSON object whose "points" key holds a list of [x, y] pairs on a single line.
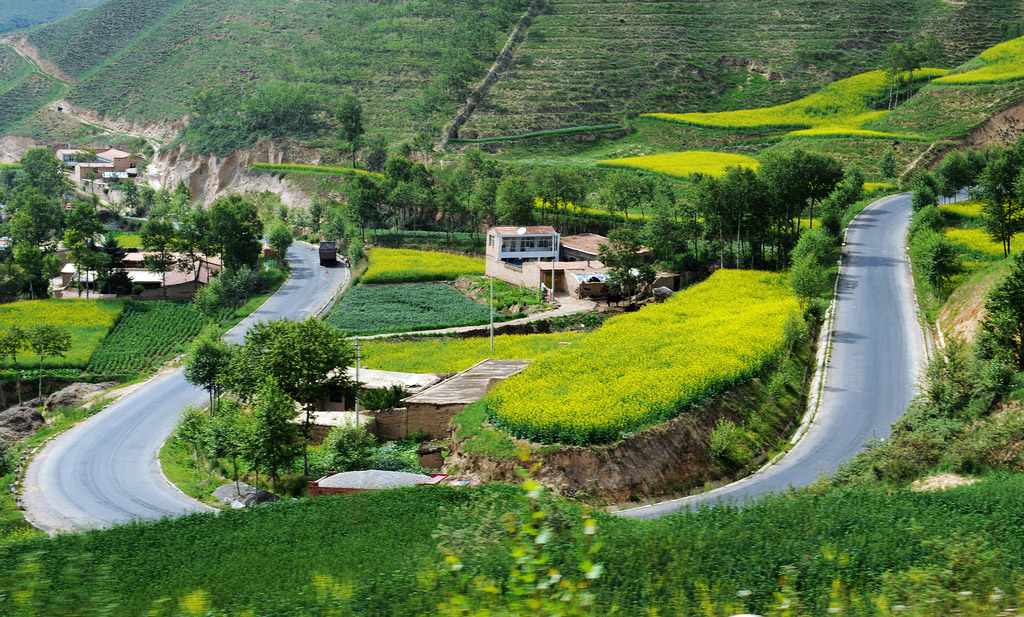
{"points": [[728, 444], [347, 448]]}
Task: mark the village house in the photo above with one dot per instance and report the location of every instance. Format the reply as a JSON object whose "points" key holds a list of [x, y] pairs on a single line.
{"points": [[108, 164], [536, 257], [180, 284]]}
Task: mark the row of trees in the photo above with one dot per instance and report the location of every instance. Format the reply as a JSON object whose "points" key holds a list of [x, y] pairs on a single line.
{"points": [[45, 340], [304, 361]]}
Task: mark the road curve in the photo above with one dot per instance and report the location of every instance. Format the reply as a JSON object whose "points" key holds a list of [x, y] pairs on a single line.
{"points": [[878, 347], [105, 471]]}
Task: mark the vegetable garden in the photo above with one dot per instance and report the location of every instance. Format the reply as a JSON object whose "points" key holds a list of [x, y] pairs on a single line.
{"points": [[647, 367], [403, 308], [146, 335]]}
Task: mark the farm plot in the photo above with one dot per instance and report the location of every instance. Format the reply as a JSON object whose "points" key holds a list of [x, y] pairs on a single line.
{"points": [[684, 164], [146, 335], [998, 64], [701, 342], [845, 104], [89, 321], [453, 355], [404, 308], [409, 266]]}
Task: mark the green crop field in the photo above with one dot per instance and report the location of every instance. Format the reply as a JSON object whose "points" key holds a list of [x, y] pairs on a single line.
{"points": [[452, 355], [145, 336], [89, 321], [403, 308]]}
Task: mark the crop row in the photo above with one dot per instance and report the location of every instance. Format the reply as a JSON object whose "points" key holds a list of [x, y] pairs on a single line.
{"points": [[647, 367], [146, 335], [409, 266], [571, 130], [683, 164], [88, 321], [453, 355], [404, 308]]}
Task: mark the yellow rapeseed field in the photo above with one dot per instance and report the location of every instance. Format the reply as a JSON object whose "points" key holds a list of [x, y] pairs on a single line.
{"points": [[683, 164], [643, 368], [88, 321], [979, 241], [1001, 63], [453, 355], [845, 103], [409, 266], [971, 208]]}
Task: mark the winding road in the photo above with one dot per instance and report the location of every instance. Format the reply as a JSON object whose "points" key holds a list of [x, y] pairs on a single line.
{"points": [[878, 347], [105, 470]]}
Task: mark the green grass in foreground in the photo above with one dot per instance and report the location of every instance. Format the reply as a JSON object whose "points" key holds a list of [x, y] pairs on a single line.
{"points": [[385, 544]]}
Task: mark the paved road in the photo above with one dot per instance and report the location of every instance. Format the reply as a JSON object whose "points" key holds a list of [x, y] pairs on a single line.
{"points": [[878, 348], [105, 470]]}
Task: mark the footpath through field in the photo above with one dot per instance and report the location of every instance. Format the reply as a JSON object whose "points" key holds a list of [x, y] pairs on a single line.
{"points": [[105, 470], [567, 305], [878, 347]]}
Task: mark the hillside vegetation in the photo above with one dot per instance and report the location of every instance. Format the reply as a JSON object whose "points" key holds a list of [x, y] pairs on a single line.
{"points": [[24, 13]]}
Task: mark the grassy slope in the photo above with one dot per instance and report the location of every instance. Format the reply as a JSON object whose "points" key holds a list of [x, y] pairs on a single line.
{"points": [[693, 56], [148, 66], [22, 90], [24, 13]]}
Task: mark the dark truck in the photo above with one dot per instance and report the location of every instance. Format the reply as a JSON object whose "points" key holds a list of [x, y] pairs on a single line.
{"points": [[328, 253]]}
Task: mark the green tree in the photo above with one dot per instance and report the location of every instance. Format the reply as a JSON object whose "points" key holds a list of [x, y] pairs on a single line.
{"points": [[40, 170], [887, 164], [235, 231], [34, 217], [79, 237], [937, 258], [206, 364], [560, 187], [625, 190], [31, 261], [1003, 324], [193, 242], [808, 278], [271, 435], [48, 341], [308, 359], [626, 270], [13, 340], [1002, 205], [130, 200], [159, 240], [191, 429], [226, 436], [376, 156], [348, 448], [349, 115], [514, 201], [279, 237]]}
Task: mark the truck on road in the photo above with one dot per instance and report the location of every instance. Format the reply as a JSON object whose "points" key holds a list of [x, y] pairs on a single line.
{"points": [[328, 253]]}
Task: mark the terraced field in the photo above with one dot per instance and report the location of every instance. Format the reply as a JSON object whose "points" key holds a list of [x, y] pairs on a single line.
{"points": [[145, 60], [590, 62], [24, 13], [22, 90]]}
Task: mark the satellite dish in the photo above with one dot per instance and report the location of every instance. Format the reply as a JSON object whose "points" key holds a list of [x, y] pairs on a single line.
{"points": [[521, 231]]}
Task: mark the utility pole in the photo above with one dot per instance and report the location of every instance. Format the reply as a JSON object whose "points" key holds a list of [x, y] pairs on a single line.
{"points": [[492, 313], [357, 380]]}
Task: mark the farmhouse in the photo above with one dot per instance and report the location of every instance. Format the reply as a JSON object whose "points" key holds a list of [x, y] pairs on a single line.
{"points": [[108, 164], [537, 257], [180, 284]]}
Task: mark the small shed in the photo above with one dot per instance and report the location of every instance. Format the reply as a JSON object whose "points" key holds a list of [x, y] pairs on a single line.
{"points": [[370, 480], [588, 284]]}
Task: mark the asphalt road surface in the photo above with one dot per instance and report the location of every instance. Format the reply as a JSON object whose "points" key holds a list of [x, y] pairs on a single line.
{"points": [[105, 471], [878, 350]]}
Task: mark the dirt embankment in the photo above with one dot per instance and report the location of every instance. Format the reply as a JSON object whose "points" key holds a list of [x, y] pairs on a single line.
{"points": [[669, 459], [1002, 128], [13, 147], [31, 52], [155, 131], [210, 177]]}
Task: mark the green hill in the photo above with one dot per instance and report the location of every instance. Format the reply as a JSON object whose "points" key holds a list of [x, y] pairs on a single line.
{"points": [[413, 62], [24, 13]]}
